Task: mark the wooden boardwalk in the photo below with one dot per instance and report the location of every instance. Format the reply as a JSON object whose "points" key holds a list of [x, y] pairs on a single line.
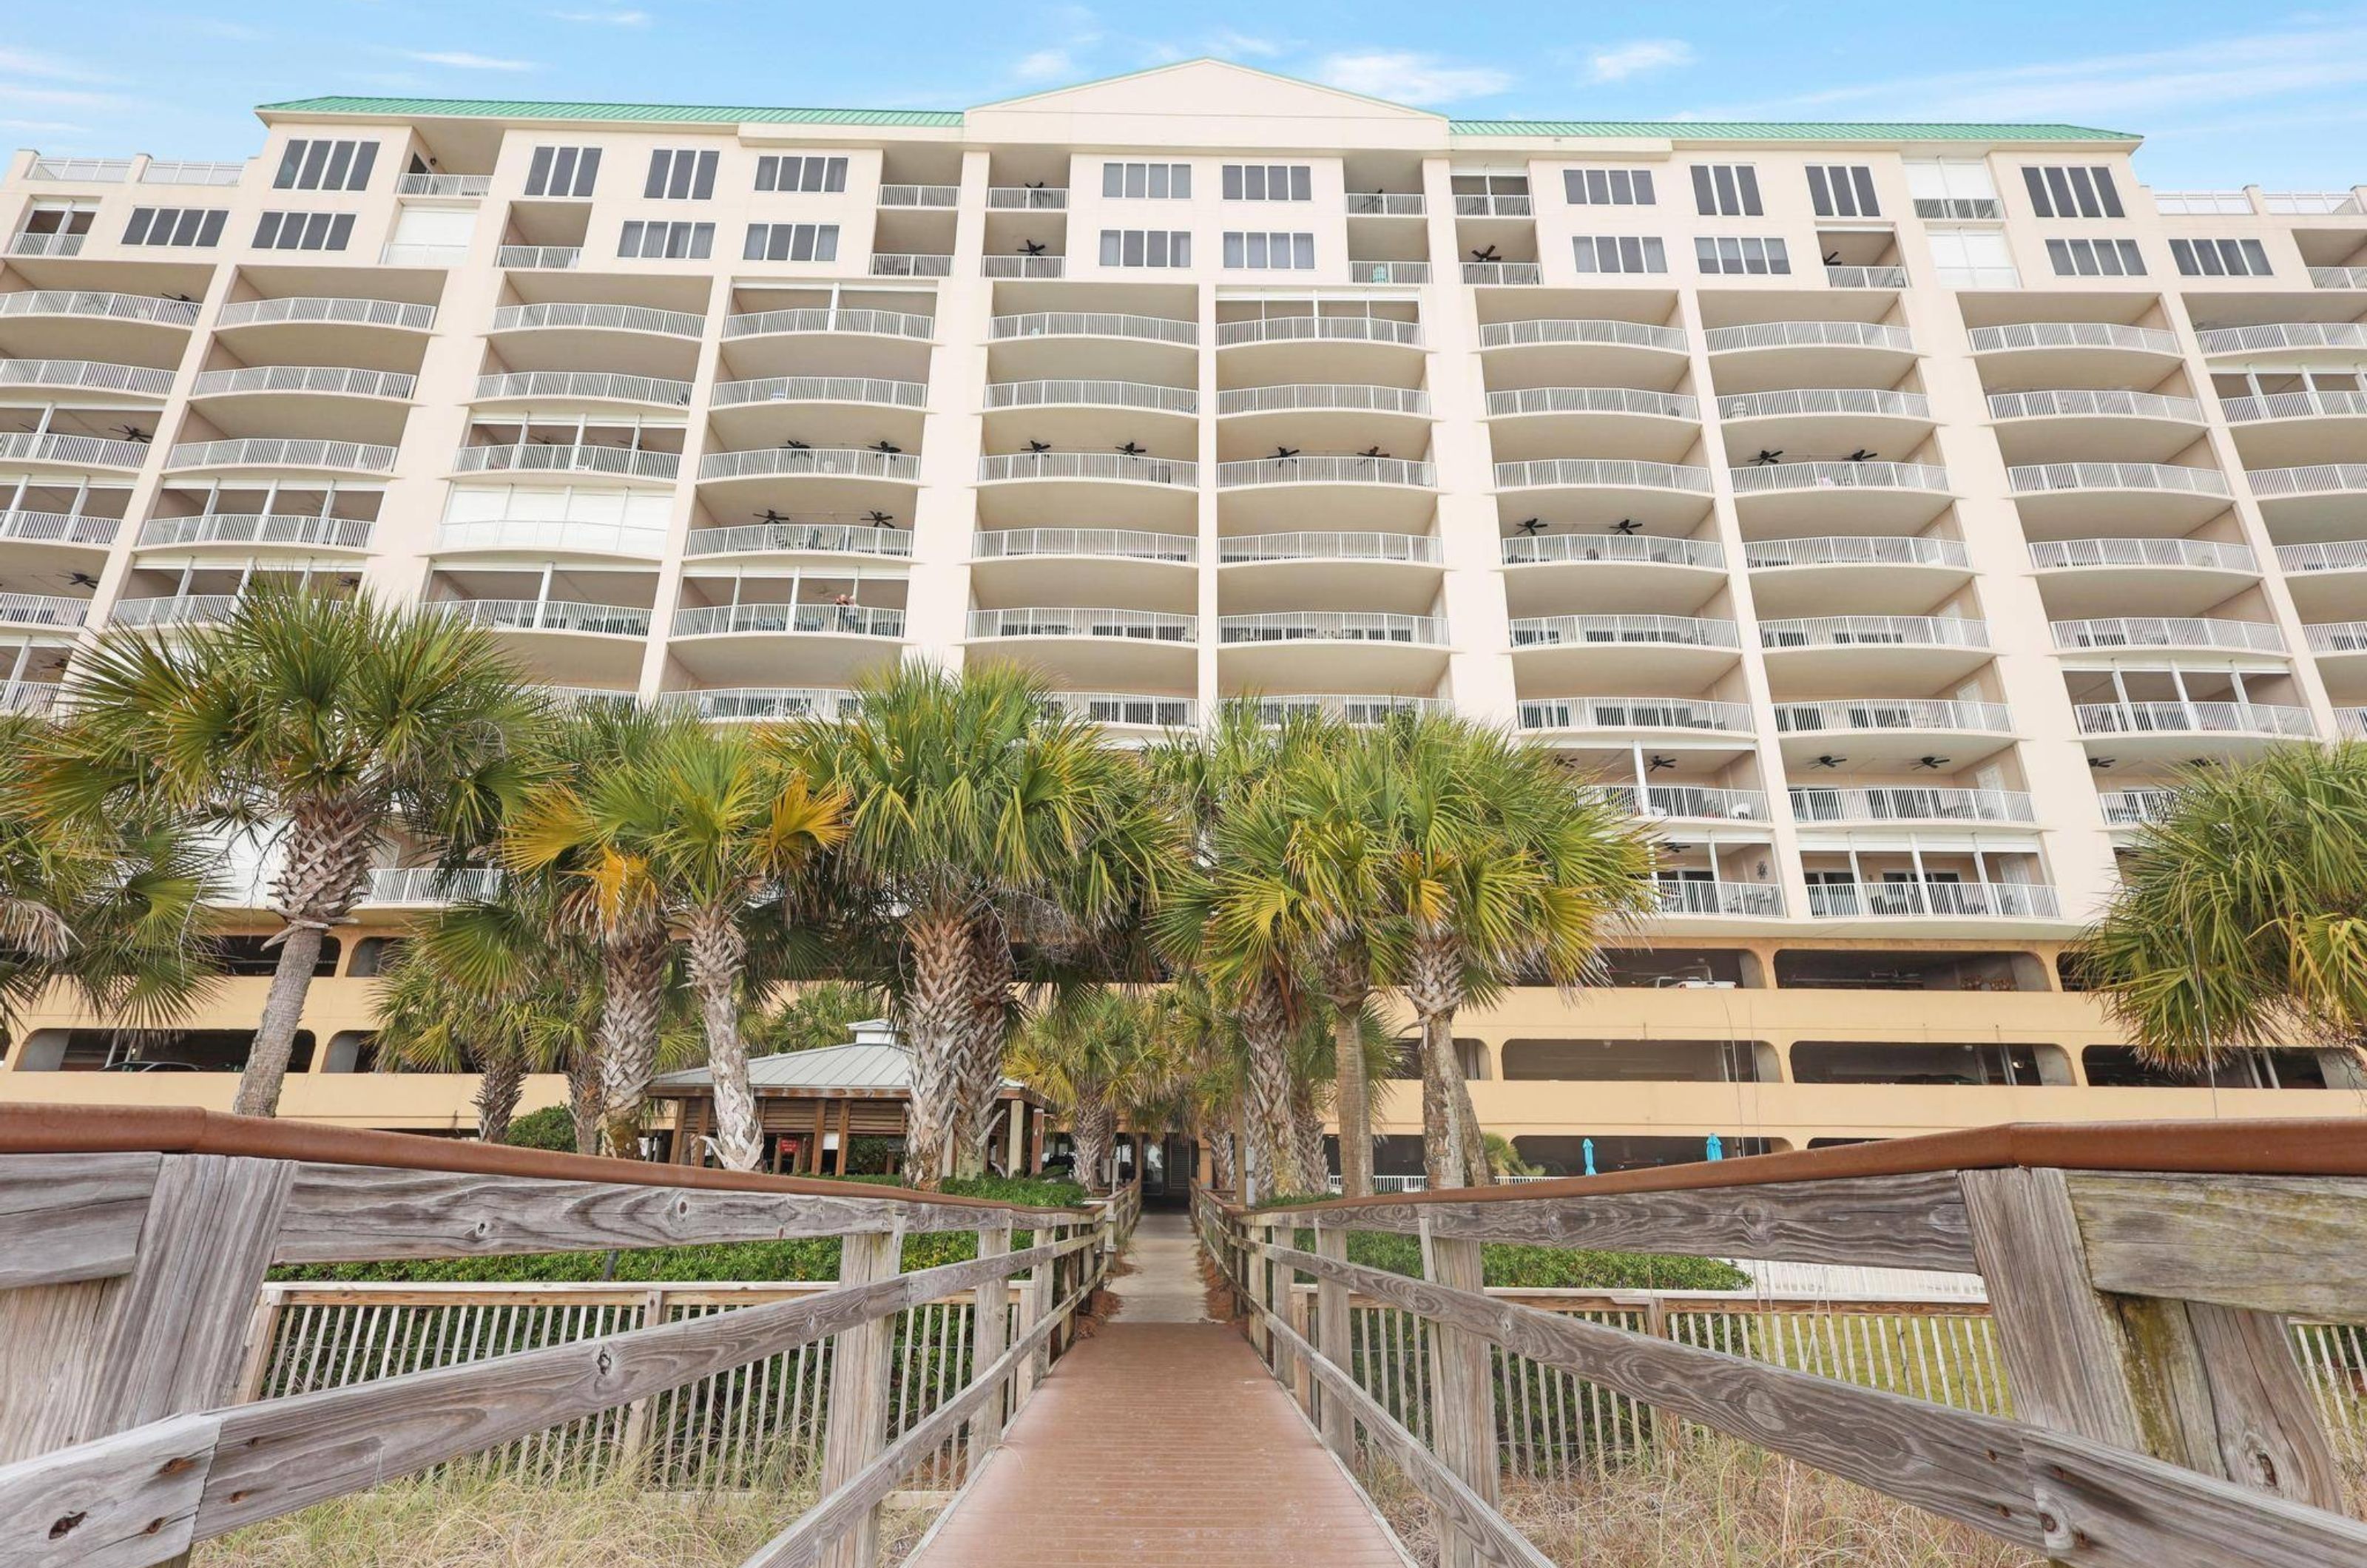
{"points": [[1162, 1441]]}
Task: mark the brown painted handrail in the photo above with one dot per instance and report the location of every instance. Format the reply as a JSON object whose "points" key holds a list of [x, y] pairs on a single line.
{"points": [[2314, 1147], [93, 1129]]}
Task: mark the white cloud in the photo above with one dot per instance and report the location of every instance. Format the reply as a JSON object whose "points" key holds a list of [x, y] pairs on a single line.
{"points": [[1044, 65], [60, 97], [24, 62], [1407, 78], [604, 18], [1622, 61], [44, 127], [1225, 41], [462, 59]]}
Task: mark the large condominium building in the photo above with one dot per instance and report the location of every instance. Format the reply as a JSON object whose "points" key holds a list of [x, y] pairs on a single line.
{"points": [[1885, 510]]}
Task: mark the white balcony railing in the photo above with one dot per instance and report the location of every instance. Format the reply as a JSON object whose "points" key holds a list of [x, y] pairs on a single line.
{"points": [[598, 385], [2352, 722], [58, 527], [820, 319], [1385, 204], [1022, 267], [1358, 709], [175, 610], [1087, 466], [1127, 544], [1592, 400], [2338, 277], [1027, 198], [892, 265], [1960, 208], [1325, 329], [2073, 334], [46, 244], [102, 305], [2132, 807], [1505, 274], [1852, 716], [1634, 713], [2294, 405], [395, 254], [2169, 631], [553, 535], [1623, 472], [1606, 334], [2202, 203], [549, 616], [540, 259], [1482, 204], [1091, 394], [42, 610], [431, 885], [2037, 479], [1854, 631], [848, 620], [82, 451], [1351, 396], [579, 315], [282, 452], [1676, 631], [1911, 803], [790, 537], [766, 703], [2337, 637], [1867, 276], [530, 458], [86, 375], [190, 172], [83, 170], [2210, 554], [2315, 479], [1857, 549], [335, 381], [2195, 718], [1326, 470], [1093, 324], [30, 697], [1796, 402], [1993, 900], [2310, 203], [838, 462], [920, 196], [822, 390], [1137, 625], [1129, 709], [1763, 899], [2333, 554], [1541, 550], [1697, 802], [1389, 272], [267, 528], [2275, 336], [1420, 549], [1809, 335], [1332, 626], [443, 185], [1766, 477], [2105, 403], [327, 311]]}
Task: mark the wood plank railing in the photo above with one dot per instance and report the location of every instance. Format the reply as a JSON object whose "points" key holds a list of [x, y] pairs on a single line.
{"points": [[133, 1247], [2140, 1279]]}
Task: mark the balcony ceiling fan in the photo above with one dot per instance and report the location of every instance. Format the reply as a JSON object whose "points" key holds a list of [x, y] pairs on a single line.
{"points": [[1931, 764], [1863, 455], [1031, 248], [1486, 253], [2101, 764], [887, 448], [769, 516], [1827, 761], [790, 443], [1040, 448], [1767, 458], [1281, 453], [1655, 763], [1531, 526], [133, 433], [1133, 449], [1626, 527], [881, 519]]}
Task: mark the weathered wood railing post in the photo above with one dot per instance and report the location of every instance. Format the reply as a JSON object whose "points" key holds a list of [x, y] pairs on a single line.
{"points": [[633, 1448], [2209, 1387], [1462, 1384], [860, 1361], [1035, 1301], [990, 1337], [1332, 1335]]}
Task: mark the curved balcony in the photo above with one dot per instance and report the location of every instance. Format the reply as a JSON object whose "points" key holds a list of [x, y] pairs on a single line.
{"points": [[729, 620], [2314, 497], [1857, 549], [1916, 723], [1093, 324], [1360, 710], [765, 705], [2306, 339], [1530, 400], [550, 537], [2330, 556], [281, 452], [2200, 555], [1127, 710], [1759, 335], [549, 616], [2128, 724], [1826, 419], [85, 304], [1320, 348], [2353, 722], [1154, 647], [1133, 625], [29, 697], [1420, 549], [250, 530], [2054, 426], [1320, 329], [1588, 649], [1131, 544], [567, 315], [1332, 650], [87, 374], [1759, 900], [1911, 803], [1795, 574], [1686, 714], [1784, 497], [792, 537], [174, 610], [2294, 405], [1661, 495], [1572, 352], [2282, 428], [1025, 467], [2168, 631], [624, 462], [817, 320], [1530, 423], [1912, 650], [1346, 397], [583, 386], [44, 611], [1697, 803], [1287, 571], [1933, 900], [2134, 808], [798, 462], [76, 451], [1874, 631], [1777, 355], [1640, 549], [1640, 572], [2094, 404], [2138, 576], [2061, 495], [1326, 471], [1111, 565], [821, 389], [1083, 414], [2067, 353], [427, 885], [1076, 393], [1097, 344], [329, 381], [28, 528], [2345, 638], [327, 311]]}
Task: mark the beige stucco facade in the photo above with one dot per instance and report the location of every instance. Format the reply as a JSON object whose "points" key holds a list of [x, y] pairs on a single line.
{"points": [[1888, 570]]}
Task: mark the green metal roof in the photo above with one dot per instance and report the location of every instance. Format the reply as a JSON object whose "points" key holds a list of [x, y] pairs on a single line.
{"points": [[1786, 131], [673, 114]]}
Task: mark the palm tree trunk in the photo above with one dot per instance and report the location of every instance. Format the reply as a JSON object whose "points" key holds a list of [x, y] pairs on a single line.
{"points": [[501, 1083], [632, 976], [718, 952], [1219, 1140], [260, 1080], [1454, 1152], [982, 1044], [1307, 1127], [325, 856], [1095, 1124], [584, 1096], [1273, 1154], [1352, 1101], [938, 1012]]}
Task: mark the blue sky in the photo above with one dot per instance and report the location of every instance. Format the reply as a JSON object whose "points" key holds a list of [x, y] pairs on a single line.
{"points": [[2224, 96]]}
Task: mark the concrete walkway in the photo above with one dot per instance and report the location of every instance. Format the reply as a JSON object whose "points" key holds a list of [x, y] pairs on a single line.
{"points": [[1160, 1441]]}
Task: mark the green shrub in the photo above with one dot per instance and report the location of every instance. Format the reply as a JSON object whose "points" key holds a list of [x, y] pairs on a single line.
{"points": [[552, 1127]]}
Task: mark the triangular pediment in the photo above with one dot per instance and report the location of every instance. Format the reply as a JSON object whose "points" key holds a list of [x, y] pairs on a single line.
{"points": [[1211, 94]]}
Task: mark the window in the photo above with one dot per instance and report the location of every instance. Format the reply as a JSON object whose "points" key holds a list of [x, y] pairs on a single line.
{"points": [[1269, 182], [1842, 190], [683, 173], [1278, 253], [1953, 188], [562, 171], [2076, 191], [1145, 247], [303, 231], [2220, 259], [1621, 252], [1161, 182], [2095, 258], [1741, 255], [1728, 190], [179, 225], [785, 173], [791, 241], [325, 165], [667, 241], [60, 218], [1975, 259], [1608, 188]]}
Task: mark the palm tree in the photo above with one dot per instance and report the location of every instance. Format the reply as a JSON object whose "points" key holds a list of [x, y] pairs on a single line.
{"points": [[980, 815], [1096, 1057], [330, 721], [822, 1012], [2241, 916], [1502, 865], [1205, 1061]]}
